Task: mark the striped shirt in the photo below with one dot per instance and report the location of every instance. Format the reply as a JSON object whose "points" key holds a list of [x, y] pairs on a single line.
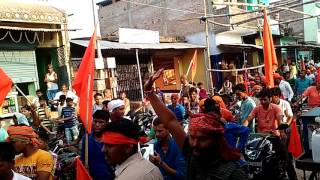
{"points": [[69, 112], [45, 121]]}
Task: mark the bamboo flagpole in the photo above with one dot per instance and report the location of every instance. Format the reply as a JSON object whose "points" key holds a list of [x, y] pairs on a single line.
{"points": [[140, 78], [86, 160]]}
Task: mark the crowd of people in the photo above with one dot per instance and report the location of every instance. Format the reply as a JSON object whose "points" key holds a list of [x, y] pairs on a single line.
{"points": [[190, 134]]}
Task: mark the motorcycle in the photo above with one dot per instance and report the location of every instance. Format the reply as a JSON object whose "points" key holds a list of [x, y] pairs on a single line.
{"points": [[262, 161], [144, 121]]}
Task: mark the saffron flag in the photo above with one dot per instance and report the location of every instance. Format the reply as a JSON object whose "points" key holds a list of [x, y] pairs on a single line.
{"points": [[83, 84], [5, 86], [295, 146], [194, 64], [269, 53], [82, 173]]}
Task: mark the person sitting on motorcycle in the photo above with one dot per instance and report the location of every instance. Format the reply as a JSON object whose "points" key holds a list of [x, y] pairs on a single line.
{"points": [[116, 109], [247, 104], [205, 149], [269, 117], [287, 119], [313, 94], [168, 156], [99, 169], [120, 146]]}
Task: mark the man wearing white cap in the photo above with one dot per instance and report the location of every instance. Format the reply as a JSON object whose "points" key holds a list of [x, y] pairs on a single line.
{"points": [[116, 109]]}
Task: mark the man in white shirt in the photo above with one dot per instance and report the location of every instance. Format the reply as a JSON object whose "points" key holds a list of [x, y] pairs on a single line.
{"points": [[7, 163], [287, 119], [284, 86], [68, 93]]}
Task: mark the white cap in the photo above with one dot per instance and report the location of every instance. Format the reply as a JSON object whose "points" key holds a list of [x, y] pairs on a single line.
{"points": [[115, 104]]}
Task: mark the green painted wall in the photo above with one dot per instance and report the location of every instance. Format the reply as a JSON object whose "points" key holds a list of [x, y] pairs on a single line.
{"points": [[310, 25]]}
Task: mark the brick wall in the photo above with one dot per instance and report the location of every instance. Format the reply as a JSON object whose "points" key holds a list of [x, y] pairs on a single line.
{"points": [[167, 22]]}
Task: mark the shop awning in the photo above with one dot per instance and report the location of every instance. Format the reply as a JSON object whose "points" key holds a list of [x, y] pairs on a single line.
{"points": [[119, 46], [30, 12], [31, 29], [241, 46]]}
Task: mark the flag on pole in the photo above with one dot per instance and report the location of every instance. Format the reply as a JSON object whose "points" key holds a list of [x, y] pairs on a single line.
{"points": [[295, 146], [269, 53], [82, 173], [83, 83], [5, 86], [194, 64]]}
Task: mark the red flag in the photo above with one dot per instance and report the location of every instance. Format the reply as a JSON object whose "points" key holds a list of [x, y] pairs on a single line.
{"points": [[82, 173], [5, 86], [295, 146], [269, 53], [83, 83], [194, 64]]}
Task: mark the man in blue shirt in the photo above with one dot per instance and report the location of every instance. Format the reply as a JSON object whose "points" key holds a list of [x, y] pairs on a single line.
{"points": [[176, 108], [99, 169], [302, 83], [247, 104], [168, 156]]}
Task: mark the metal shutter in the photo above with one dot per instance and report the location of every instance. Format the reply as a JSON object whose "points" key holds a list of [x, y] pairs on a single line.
{"points": [[20, 66]]}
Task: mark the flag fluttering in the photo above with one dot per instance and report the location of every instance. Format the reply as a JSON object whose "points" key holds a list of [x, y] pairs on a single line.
{"points": [[295, 146], [5, 85], [82, 173], [83, 84], [194, 65], [269, 53]]}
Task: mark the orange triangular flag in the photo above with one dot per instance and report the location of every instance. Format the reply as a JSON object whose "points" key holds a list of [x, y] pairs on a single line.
{"points": [[83, 84], [194, 65], [295, 146], [82, 173], [269, 53]]}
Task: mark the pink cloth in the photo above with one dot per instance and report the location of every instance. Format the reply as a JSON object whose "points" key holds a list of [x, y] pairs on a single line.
{"points": [[267, 119]]}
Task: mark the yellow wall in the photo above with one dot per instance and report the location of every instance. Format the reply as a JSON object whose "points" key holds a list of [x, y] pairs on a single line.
{"points": [[181, 64], [201, 68]]}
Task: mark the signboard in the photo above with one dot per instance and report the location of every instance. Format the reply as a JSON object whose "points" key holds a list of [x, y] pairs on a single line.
{"points": [[99, 63], [111, 62], [138, 36]]}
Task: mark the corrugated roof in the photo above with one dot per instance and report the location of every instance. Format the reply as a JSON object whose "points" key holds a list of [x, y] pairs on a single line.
{"points": [[116, 45]]}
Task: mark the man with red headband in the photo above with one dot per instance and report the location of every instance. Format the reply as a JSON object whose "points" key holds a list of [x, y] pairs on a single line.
{"points": [[206, 151], [120, 141], [33, 162]]}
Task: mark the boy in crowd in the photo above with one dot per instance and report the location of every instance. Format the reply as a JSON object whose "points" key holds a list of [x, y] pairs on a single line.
{"points": [[69, 119], [98, 102]]}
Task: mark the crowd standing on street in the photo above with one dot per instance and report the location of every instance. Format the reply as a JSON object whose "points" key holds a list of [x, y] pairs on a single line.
{"points": [[192, 135]]}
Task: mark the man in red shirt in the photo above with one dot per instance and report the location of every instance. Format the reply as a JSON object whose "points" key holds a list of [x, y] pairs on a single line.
{"points": [[313, 94], [268, 115]]}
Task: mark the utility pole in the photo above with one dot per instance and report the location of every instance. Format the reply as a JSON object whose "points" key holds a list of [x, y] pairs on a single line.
{"points": [[129, 8], [164, 17], [207, 57]]}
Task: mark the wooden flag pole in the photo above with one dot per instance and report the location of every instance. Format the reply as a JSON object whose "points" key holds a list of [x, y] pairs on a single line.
{"points": [[87, 123], [22, 94]]}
